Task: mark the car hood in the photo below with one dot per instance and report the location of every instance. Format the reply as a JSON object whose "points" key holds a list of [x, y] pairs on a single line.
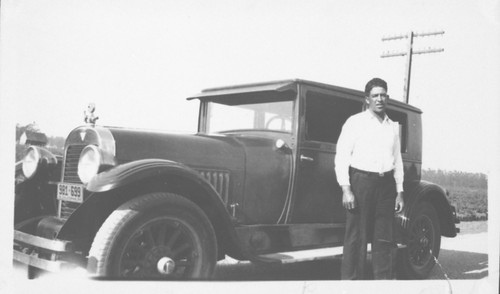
{"points": [[194, 150]]}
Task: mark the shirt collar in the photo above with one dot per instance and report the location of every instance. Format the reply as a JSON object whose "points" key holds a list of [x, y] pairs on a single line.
{"points": [[372, 115]]}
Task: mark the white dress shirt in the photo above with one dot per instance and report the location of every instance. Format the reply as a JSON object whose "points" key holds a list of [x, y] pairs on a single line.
{"points": [[367, 144]]}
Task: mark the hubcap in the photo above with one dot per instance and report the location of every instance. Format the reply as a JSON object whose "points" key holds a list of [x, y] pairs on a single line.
{"points": [[424, 241], [165, 266]]}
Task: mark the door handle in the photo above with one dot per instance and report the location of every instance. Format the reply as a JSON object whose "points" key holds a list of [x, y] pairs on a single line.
{"points": [[306, 158]]}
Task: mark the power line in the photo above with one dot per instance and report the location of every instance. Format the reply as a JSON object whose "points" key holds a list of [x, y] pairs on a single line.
{"points": [[409, 53]]}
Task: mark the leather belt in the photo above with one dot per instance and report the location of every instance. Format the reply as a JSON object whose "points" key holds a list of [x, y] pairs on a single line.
{"points": [[381, 175]]}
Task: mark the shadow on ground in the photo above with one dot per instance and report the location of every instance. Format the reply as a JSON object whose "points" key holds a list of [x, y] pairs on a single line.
{"points": [[456, 265], [309, 270], [461, 265]]}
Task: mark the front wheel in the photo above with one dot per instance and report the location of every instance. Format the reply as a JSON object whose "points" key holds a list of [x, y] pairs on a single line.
{"points": [[155, 236], [423, 243]]}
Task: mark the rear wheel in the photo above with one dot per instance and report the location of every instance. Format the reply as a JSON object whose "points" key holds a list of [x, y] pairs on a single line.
{"points": [[423, 244], [155, 236]]}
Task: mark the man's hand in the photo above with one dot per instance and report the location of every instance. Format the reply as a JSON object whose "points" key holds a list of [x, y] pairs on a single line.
{"points": [[400, 203], [348, 199]]}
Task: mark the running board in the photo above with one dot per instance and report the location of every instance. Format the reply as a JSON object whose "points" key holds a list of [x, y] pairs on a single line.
{"points": [[307, 255], [303, 255]]}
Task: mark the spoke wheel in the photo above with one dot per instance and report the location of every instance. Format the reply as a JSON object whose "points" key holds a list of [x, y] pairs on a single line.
{"points": [[156, 236], [423, 243]]}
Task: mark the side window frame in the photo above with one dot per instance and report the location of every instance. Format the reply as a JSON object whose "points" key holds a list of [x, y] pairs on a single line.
{"points": [[402, 119], [328, 124]]}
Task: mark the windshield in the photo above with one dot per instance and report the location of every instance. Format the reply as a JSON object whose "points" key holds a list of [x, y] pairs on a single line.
{"points": [[229, 115]]}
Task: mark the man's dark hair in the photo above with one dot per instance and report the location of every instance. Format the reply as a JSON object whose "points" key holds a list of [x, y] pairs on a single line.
{"points": [[375, 82]]}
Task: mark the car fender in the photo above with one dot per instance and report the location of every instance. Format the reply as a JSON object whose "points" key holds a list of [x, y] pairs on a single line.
{"points": [[437, 196], [135, 171]]}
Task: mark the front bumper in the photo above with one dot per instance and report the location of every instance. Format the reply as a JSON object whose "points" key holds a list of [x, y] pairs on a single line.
{"points": [[50, 255]]}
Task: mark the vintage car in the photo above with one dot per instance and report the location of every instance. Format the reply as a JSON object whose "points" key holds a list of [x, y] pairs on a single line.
{"points": [[257, 179]]}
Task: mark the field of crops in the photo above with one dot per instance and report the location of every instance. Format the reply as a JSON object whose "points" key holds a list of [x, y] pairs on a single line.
{"points": [[468, 192]]}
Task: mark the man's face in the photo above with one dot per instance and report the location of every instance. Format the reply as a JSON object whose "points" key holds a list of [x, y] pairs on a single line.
{"points": [[377, 100]]}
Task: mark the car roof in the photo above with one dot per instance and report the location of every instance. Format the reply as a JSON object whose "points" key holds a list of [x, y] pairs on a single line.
{"points": [[284, 86]]}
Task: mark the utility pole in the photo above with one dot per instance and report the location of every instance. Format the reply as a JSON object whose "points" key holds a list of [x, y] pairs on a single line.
{"points": [[409, 53]]}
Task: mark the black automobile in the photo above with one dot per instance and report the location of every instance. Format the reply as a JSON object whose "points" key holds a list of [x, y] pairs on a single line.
{"points": [[255, 181]]}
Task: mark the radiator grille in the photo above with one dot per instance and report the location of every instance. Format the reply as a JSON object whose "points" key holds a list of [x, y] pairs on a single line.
{"points": [[71, 164], [219, 181], [70, 176]]}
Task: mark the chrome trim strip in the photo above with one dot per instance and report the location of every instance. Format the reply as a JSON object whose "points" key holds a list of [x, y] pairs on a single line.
{"points": [[53, 245], [48, 265], [107, 145]]}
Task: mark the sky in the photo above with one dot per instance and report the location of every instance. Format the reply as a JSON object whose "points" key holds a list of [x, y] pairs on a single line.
{"points": [[139, 60]]}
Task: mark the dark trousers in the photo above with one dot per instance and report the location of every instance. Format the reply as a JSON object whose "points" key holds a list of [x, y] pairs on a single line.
{"points": [[371, 221]]}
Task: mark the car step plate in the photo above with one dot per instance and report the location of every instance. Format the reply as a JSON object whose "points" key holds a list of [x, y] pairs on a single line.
{"points": [[304, 255], [308, 255]]}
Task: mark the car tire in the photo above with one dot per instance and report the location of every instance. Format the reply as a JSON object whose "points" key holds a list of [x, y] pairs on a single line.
{"points": [[34, 272], [155, 236], [417, 260]]}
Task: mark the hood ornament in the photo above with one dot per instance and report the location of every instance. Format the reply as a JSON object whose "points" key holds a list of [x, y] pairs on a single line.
{"points": [[90, 117]]}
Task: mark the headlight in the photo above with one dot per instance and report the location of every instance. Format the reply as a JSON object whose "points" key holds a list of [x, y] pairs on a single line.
{"points": [[89, 163], [30, 162]]}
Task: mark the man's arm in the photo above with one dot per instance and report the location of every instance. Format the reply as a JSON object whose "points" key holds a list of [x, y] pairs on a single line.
{"points": [[398, 173]]}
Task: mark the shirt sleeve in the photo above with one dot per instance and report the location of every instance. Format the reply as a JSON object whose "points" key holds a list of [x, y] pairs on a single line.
{"points": [[345, 145], [398, 161]]}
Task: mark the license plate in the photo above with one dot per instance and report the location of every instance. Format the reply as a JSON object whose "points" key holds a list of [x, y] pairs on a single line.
{"points": [[70, 192]]}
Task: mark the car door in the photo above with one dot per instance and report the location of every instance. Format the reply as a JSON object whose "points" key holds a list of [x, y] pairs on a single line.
{"points": [[318, 197]]}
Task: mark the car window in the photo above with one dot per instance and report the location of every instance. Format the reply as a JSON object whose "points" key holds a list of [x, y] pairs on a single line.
{"points": [[326, 114], [227, 115]]}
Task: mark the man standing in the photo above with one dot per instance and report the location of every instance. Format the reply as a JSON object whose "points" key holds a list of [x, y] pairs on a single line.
{"points": [[369, 169]]}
